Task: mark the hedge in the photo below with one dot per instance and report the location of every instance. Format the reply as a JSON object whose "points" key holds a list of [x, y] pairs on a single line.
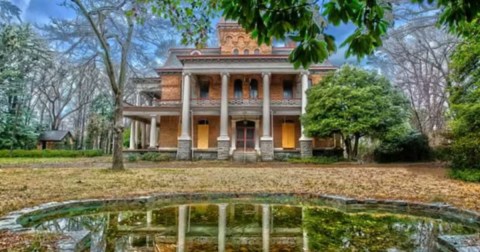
{"points": [[49, 153]]}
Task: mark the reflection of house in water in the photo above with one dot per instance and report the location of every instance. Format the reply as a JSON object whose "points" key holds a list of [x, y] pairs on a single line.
{"points": [[222, 227], [196, 227]]}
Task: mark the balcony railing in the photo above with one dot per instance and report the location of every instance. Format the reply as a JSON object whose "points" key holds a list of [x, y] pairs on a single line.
{"points": [[287, 102], [166, 102], [201, 102], [245, 102]]}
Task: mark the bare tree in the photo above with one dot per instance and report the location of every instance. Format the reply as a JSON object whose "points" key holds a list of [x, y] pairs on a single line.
{"points": [[65, 89], [415, 56]]}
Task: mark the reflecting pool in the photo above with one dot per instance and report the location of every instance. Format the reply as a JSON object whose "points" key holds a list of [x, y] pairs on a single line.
{"points": [[244, 226]]}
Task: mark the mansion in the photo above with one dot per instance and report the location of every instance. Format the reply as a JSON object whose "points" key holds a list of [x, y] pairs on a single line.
{"points": [[216, 103]]}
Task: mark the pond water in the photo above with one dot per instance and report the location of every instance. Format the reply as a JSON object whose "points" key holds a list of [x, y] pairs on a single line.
{"points": [[244, 226]]}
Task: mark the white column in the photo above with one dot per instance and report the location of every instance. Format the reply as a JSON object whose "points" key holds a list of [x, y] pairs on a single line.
{"points": [[149, 218], [266, 105], [132, 135], [305, 234], [143, 134], [224, 108], [186, 107], [153, 132], [257, 135], [304, 100], [222, 226], [266, 227], [182, 227]]}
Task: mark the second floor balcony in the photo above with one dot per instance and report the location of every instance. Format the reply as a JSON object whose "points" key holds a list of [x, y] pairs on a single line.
{"points": [[205, 102]]}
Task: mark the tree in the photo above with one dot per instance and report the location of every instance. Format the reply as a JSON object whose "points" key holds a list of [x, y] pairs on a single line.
{"points": [[354, 103], [303, 21], [465, 101], [109, 42], [22, 55], [416, 60]]}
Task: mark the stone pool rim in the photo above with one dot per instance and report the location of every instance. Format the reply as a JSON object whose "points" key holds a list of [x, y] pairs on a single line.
{"points": [[12, 221]]}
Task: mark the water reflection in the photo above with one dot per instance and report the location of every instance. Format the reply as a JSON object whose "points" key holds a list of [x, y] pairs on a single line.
{"points": [[254, 227]]}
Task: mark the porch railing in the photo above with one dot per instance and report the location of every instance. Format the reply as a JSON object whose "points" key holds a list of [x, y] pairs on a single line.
{"points": [[231, 102]]}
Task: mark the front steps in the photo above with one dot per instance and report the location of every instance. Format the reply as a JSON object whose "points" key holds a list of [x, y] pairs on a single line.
{"points": [[245, 156]]}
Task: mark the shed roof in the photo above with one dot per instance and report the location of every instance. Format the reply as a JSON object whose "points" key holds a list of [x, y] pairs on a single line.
{"points": [[54, 135]]}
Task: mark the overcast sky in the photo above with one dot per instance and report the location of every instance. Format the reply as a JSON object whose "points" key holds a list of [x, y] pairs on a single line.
{"points": [[40, 11]]}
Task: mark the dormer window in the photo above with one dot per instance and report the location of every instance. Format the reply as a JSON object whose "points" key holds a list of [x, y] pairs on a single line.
{"points": [[235, 51], [256, 51], [246, 52]]}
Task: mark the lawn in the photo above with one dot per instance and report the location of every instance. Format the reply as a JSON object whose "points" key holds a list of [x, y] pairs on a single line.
{"points": [[25, 184]]}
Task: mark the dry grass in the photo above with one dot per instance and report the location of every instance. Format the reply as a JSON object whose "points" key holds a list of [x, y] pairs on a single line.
{"points": [[24, 187]]}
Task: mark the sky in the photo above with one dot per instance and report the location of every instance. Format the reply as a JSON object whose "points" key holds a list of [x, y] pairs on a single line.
{"points": [[40, 11]]}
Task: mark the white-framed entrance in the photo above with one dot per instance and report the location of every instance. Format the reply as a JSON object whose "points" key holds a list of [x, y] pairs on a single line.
{"points": [[251, 122]]}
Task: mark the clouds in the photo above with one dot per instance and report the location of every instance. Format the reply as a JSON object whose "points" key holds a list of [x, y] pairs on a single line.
{"points": [[39, 11]]}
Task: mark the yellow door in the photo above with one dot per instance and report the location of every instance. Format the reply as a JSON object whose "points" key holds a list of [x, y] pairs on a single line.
{"points": [[288, 135], [202, 136]]}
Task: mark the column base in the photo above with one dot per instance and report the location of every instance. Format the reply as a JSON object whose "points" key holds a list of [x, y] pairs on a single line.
{"points": [[266, 148], [306, 147], [184, 149], [223, 148]]}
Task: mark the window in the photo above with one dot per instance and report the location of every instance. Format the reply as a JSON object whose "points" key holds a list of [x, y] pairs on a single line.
{"points": [[256, 51], [287, 90], [253, 89], [246, 52], [204, 89], [238, 93], [235, 51]]}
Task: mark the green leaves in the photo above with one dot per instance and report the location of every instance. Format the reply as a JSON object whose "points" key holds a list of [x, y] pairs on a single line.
{"points": [[354, 102]]}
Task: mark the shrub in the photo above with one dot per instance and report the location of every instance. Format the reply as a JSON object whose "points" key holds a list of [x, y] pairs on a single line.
{"points": [[465, 152], [442, 153], [132, 158], [315, 160], [411, 147], [469, 175], [49, 153], [156, 157]]}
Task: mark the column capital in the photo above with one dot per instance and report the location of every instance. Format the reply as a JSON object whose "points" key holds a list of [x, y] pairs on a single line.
{"points": [[268, 74], [305, 72], [225, 74], [186, 74]]}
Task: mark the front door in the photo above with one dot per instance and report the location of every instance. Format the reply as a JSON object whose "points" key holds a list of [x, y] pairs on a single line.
{"points": [[245, 135], [202, 136], [288, 135]]}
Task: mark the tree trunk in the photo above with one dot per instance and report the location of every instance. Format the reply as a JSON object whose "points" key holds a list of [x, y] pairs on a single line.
{"points": [[355, 146], [118, 133], [348, 147]]}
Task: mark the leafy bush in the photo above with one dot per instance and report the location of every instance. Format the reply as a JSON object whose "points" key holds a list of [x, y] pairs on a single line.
{"points": [[49, 153], [442, 153], [132, 158], [315, 160], [411, 147], [156, 157], [469, 175], [465, 152]]}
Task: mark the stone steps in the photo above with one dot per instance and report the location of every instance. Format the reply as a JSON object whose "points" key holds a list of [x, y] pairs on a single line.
{"points": [[245, 156]]}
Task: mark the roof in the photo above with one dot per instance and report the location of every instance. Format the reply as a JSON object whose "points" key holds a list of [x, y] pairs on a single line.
{"points": [[54, 135]]}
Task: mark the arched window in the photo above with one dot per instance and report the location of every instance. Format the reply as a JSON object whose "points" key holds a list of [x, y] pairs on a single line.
{"points": [[246, 52], [256, 51], [195, 53], [235, 51], [237, 89], [253, 89]]}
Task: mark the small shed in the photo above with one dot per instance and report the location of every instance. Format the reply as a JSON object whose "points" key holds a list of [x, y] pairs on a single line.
{"points": [[55, 139]]}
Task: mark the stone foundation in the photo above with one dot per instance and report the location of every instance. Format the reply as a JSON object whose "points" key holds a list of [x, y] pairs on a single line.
{"points": [[284, 155], [266, 149], [184, 149], [204, 154], [306, 148], [223, 149]]}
